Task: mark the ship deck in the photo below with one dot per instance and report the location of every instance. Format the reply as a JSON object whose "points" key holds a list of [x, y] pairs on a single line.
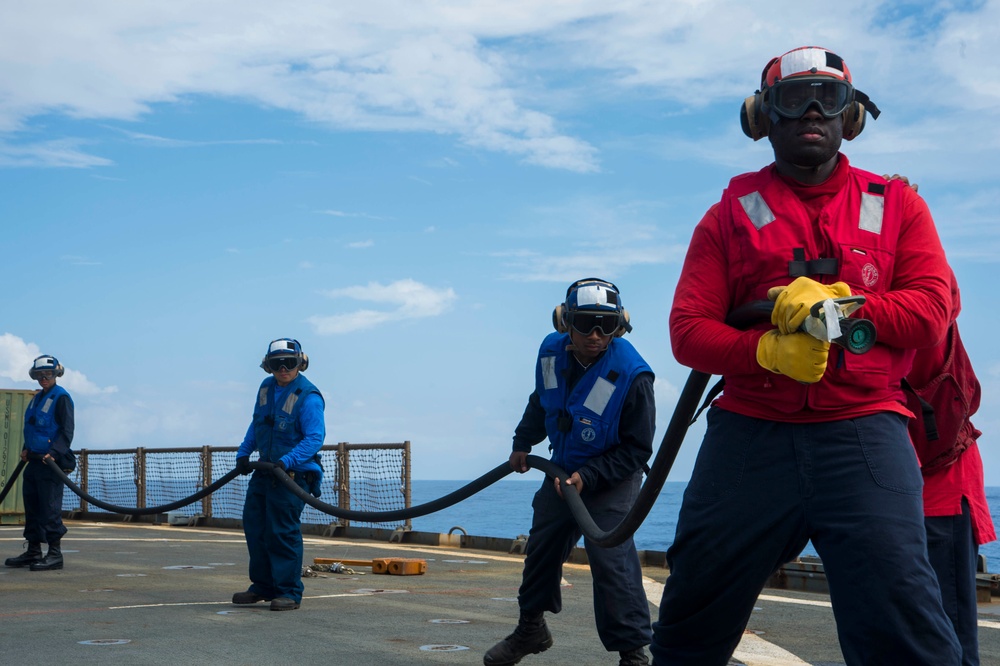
{"points": [[134, 593]]}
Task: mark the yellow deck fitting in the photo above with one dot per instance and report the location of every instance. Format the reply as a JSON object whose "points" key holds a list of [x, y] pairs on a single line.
{"points": [[395, 566]]}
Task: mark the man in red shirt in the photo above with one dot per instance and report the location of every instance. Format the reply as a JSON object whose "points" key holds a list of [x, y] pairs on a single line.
{"points": [[807, 441], [956, 513]]}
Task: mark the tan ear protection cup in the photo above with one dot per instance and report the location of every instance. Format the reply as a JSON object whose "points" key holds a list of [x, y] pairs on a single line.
{"points": [[263, 364], [558, 319], [754, 123], [854, 120]]}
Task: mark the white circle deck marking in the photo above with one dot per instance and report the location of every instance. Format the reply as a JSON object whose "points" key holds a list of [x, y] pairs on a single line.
{"points": [[442, 648], [242, 610], [106, 641], [131, 575], [365, 590], [186, 566], [443, 621]]}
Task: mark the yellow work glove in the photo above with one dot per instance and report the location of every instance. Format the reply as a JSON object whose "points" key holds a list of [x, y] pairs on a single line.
{"points": [[792, 303], [797, 355]]}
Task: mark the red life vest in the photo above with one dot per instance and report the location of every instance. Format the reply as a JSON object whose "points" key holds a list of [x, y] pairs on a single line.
{"points": [[773, 239], [943, 392]]}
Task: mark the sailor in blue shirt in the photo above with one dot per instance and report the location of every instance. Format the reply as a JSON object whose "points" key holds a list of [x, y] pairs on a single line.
{"points": [[593, 400], [287, 429], [49, 423]]}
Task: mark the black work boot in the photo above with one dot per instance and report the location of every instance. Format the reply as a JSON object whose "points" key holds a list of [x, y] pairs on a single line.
{"points": [[52, 560], [531, 636], [248, 597], [634, 657], [28, 557]]}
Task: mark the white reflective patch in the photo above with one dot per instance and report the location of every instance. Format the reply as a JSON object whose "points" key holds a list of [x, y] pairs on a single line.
{"points": [[262, 396], [592, 294], [807, 60], [280, 345], [290, 402], [871, 213], [549, 379], [599, 396], [757, 210], [47, 405]]}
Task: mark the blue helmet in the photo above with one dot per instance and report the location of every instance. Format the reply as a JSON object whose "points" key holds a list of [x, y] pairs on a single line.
{"points": [[43, 363], [284, 352], [592, 303]]}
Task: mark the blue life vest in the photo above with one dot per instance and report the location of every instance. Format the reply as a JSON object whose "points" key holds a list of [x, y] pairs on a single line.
{"points": [[591, 411], [276, 426], [40, 425]]}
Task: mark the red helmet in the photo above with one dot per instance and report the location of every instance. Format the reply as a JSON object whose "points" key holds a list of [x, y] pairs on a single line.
{"points": [[805, 61], [811, 76]]}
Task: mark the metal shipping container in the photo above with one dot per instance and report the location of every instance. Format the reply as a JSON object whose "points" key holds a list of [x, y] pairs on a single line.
{"points": [[13, 404]]}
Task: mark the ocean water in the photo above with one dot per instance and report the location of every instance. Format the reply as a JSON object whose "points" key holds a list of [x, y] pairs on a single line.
{"points": [[504, 510]]}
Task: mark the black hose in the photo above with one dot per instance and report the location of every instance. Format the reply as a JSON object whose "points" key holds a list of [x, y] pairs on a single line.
{"points": [[451, 498], [134, 511], [10, 481], [687, 404]]}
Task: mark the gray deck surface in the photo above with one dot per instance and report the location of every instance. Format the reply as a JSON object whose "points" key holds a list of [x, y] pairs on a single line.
{"points": [[152, 594]]}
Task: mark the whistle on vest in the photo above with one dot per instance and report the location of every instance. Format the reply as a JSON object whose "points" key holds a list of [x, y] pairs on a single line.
{"points": [[830, 321]]}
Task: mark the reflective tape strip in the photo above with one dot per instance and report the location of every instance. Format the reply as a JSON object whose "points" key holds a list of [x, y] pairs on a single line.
{"points": [[47, 405], [549, 379], [756, 209], [262, 396], [599, 396], [290, 401], [872, 207]]}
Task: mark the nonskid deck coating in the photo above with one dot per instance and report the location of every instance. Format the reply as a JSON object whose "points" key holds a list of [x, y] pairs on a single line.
{"points": [[149, 594]]}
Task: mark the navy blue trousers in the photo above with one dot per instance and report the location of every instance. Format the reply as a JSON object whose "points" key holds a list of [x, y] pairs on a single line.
{"points": [[271, 523], [953, 554], [759, 491], [42, 491], [620, 606]]}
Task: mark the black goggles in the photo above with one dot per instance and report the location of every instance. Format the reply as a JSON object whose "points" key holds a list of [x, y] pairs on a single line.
{"points": [[279, 362], [584, 323], [793, 97], [44, 374]]}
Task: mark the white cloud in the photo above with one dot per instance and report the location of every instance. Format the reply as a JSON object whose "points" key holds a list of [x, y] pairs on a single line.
{"points": [[480, 72], [65, 153], [340, 213], [381, 66], [589, 236], [16, 357], [357, 245], [411, 300]]}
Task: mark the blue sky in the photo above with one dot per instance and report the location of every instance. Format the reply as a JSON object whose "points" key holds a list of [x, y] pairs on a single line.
{"points": [[408, 187]]}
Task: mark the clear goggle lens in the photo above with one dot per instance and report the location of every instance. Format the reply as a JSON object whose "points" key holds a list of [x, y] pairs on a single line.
{"points": [[791, 98], [282, 362], [585, 322]]}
